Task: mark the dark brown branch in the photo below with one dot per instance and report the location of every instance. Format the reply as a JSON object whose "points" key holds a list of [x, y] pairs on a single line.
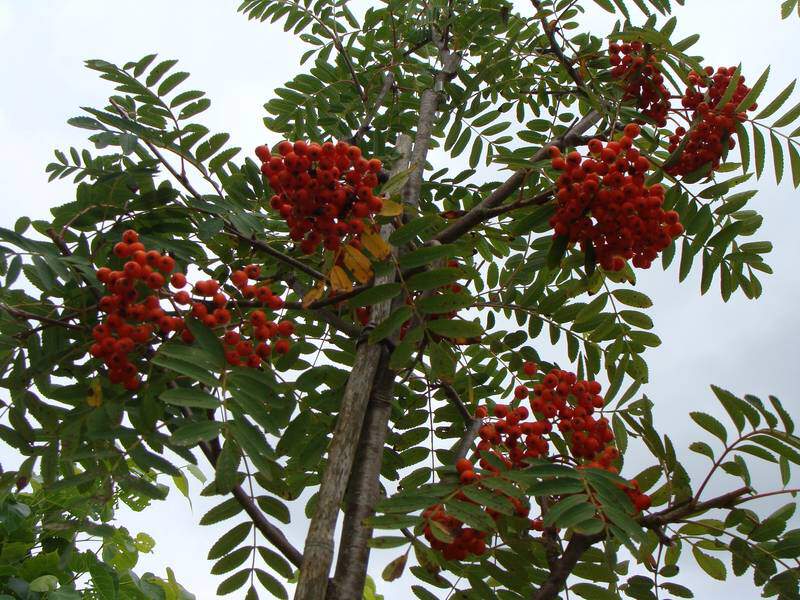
{"points": [[578, 544], [329, 317], [24, 315], [272, 533], [455, 400], [563, 567], [481, 211], [676, 513], [555, 47], [267, 249], [328, 301]]}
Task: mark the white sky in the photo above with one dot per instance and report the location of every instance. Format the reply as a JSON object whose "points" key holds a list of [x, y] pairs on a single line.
{"points": [[744, 346]]}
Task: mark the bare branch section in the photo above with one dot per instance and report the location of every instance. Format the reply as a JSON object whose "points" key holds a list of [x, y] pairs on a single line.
{"points": [[428, 107], [483, 210], [318, 553], [364, 490]]}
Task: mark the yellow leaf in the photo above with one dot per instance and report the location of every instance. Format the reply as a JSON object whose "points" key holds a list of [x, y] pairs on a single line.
{"points": [[376, 245], [358, 264], [314, 294], [391, 208], [339, 280], [94, 397]]}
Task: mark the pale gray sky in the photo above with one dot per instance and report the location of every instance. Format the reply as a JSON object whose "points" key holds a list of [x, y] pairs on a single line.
{"points": [[747, 347]]}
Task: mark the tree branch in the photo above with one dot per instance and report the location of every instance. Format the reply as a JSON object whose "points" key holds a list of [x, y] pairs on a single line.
{"points": [[481, 211], [549, 31], [364, 488], [388, 82], [284, 258], [24, 315], [578, 544], [318, 553], [272, 533], [428, 107], [352, 562]]}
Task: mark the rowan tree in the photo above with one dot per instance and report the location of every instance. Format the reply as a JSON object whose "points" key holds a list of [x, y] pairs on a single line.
{"points": [[339, 312]]}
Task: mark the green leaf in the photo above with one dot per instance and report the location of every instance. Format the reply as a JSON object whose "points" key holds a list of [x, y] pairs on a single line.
{"points": [[184, 367], [711, 425], [226, 469], [158, 71], [786, 419], [752, 97], [193, 433], [225, 510], [471, 515], [789, 118], [558, 250], [427, 255], [234, 582], [637, 319], [433, 278], [272, 585], [44, 583], [274, 507], [444, 303], [632, 298], [777, 156], [455, 328], [777, 103], [104, 581], [191, 397], [230, 540], [794, 159], [562, 508], [759, 150], [376, 294], [171, 82], [713, 566], [231, 561], [391, 324], [593, 592]]}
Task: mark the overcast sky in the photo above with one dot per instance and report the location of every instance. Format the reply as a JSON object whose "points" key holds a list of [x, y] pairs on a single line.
{"points": [[747, 347]]}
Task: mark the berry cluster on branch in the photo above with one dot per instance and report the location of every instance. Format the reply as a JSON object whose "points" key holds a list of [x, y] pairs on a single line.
{"points": [[324, 192], [604, 204], [636, 66], [135, 317], [558, 401], [712, 122]]}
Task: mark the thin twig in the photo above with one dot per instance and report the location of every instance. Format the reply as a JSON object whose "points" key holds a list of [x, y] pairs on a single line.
{"points": [[479, 212]]}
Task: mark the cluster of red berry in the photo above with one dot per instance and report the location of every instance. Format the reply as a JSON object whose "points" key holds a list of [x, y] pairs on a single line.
{"points": [[559, 400], [603, 202], [134, 312], [240, 351], [324, 192], [459, 541], [635, 65], [713, 124]]}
